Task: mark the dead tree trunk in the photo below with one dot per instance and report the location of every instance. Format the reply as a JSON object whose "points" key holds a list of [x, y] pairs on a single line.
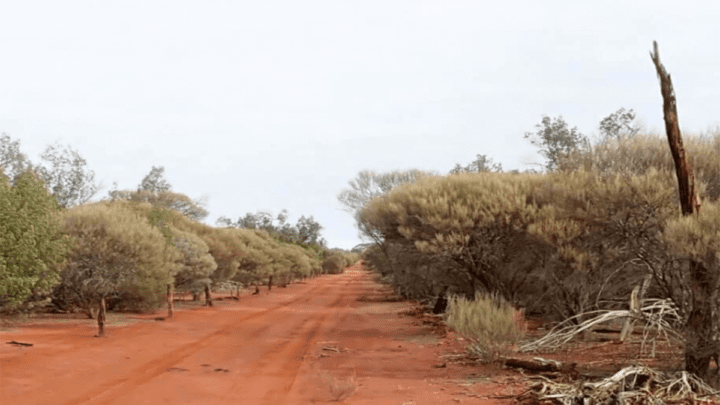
{"points": [[700, 346], [208, 297], [170, 299], [689, 201], [101, 317]]}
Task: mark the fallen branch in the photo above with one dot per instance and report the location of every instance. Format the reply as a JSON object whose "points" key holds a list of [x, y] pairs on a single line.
{"points": [[537, 365], [12, 342], [659, 315], [635, 384]]}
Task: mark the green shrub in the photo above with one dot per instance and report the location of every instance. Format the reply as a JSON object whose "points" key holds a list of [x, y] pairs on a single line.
{"points": [[333, 264], [117, 255], [196, 263], [488, 322], [30, 240]]}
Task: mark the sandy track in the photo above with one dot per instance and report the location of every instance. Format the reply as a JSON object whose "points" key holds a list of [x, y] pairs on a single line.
{"points": [[266, 349]]}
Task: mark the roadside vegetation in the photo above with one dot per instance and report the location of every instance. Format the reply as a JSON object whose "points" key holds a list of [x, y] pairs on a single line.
{"points": [[491, 324], [566, 241], [132, 250]]}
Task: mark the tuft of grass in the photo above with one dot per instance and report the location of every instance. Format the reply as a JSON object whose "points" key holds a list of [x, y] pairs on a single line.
{"points": [[490, 324], [339, 388]]}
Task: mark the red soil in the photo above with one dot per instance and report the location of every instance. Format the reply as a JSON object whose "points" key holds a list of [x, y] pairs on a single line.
{"points": [[296, 345]]}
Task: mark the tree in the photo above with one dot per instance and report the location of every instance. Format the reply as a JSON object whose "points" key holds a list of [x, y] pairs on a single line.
{"points": [[457, 229], [619, 125], [368, 185], [117, 255], [13, 162], [196, 262], [67, 177], [154, 181], [30, 239], [702, 314], [156, 190], [308, 231], [481, 164], [556, 141], [305, 232], [167, 199]]}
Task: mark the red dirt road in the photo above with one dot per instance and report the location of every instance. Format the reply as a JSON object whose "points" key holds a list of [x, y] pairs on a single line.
{"points": [[294, 345]]}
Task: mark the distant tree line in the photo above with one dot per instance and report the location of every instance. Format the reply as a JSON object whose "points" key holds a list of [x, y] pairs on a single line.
{"points": [[305, 232]]}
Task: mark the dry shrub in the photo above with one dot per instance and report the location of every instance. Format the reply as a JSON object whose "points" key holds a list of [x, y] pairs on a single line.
{"points": [[638, 154], [489, 322]]}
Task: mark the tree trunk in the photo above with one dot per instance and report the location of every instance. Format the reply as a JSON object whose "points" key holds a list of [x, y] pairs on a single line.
{"points": [[208, 297], [101, 317], [689, 201], [237, 291], [700, 346], [270, 283], [91, 310], [170, 299]]}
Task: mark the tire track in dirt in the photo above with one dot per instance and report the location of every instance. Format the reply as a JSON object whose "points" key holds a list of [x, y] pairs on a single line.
{"points": [[294, 360], [283, 361], [109, 392]]}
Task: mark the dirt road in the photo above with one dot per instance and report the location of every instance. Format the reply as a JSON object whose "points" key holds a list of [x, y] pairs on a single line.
{"points": [[330, 338]]}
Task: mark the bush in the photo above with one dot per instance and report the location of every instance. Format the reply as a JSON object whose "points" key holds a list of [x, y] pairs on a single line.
{"points": [[334, 264], [458, 229], [196, 263], [636, 155], [30, 240], [488, 322], [116, 255]]}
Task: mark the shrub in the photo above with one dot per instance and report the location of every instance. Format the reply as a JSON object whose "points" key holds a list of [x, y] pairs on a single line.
{"points": [[333, 264], [116, 255], [461, 225], [636, 155], [488, 322], [196, 263], [30, 240]]}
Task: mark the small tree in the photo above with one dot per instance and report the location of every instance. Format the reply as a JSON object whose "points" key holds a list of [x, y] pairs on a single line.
{"points": [[155, 190], [308, 230], [154, 181], [556, 141], [363, 189], [619, 125], [66, 177], [116, 254], [196, 263], [305, 232], [30, 239], [12, 160], [481, 164]]}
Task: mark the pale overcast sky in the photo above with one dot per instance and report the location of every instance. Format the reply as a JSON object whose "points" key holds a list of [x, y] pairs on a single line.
{"points": [[278, 104]]}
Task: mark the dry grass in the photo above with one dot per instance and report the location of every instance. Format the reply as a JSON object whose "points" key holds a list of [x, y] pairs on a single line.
{"points": [[489, 323]]}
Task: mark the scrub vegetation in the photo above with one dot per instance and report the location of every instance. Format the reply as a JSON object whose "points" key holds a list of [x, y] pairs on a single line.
{"points": [[132, 250], [558, 243]]}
